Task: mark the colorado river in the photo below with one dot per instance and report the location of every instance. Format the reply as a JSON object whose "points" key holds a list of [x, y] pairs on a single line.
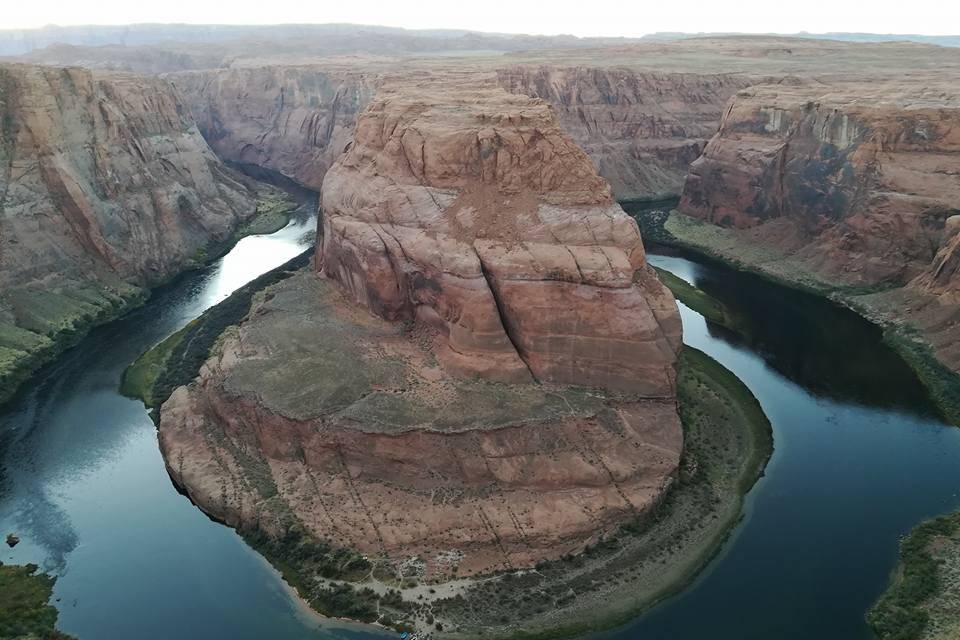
{"points": [[83, 484], [860, 458]]}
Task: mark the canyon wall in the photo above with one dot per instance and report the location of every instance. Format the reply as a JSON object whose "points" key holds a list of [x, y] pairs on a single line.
{"points": [[855, 181], [295, 120], [642, 129], [106, 187]]}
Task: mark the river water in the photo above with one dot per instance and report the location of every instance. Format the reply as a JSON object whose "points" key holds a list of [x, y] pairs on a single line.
{"points": [[83, 484], [860, 458]]}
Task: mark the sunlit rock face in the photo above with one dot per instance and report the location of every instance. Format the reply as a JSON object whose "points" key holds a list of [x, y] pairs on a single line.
{"points": [[471, 210], [480, 377]]}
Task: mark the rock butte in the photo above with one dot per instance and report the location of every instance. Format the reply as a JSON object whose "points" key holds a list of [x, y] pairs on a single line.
{"points": [[470, 209], [417, 399]]}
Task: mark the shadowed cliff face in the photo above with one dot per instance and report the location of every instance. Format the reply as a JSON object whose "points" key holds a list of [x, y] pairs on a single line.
{"points": [[856, 180], [470, 209], [106, 187], [641, 129], [294, 120]]}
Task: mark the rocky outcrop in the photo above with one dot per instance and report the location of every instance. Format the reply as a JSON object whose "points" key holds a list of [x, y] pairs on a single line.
{"points": [[642, 129], [106, 187], [294, 120], [483, 375], [855, 181], [315, 414], [470, 209]]}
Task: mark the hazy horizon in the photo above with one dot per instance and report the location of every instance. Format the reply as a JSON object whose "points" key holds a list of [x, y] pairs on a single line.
{"points": [[605, 18]]}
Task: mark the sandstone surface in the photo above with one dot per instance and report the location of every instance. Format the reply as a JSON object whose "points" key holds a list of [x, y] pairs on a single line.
{"points": [[294, 120], [470, 209], [106, 187], [482, 375], [857, 181], [317, 413]]}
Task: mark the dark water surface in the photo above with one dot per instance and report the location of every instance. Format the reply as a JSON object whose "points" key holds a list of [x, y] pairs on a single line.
{"points": [[83, 484], [860, 458]]}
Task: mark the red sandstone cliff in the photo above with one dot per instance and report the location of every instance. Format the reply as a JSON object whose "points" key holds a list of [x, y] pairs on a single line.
{"points": [[471, 209], [105, 173], [854, 180], [295, 120], [106, 187], [642, 129], [483, 379]]}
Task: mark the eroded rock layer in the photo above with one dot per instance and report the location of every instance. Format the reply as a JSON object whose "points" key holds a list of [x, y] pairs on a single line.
{"points": [[857, 181], [295, 120], [481, 377], [315, 412], [642, 129], [106, 187], [470, 209]]}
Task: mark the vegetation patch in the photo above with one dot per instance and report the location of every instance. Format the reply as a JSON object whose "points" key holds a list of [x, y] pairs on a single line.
{"points": [[923, 601], [701, 302], [727, 442], [37, 323], [177, 360], [25, 612]]}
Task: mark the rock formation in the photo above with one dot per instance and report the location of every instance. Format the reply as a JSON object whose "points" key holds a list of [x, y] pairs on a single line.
{"points": [[106, 187], [293, 120], [642, 129], [857, 181], [483, 375], [470, 209]]}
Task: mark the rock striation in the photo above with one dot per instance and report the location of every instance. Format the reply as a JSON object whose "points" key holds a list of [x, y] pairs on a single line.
{"points": [[294, 120], [106, 187], [641, 128], [473, 211], [857, 181], [482, 376]]}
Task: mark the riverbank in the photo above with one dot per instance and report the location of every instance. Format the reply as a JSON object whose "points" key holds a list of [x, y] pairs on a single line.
{"points": [[902, 330], [176, 360], [923, 601], [51, 321], [25, 611], [727, 442]]}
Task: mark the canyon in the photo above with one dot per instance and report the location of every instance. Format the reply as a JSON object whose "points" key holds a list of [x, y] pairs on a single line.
{"points": [[851, 189], [479, 373], [495, 307], [107, 189]]}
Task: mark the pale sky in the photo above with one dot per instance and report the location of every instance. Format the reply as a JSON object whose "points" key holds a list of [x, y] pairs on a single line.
{"points": [[578, 17]]}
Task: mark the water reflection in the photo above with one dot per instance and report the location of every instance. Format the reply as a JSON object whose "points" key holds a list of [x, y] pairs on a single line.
{"points": [[84, 485], [855, 466], [827, 349]]}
